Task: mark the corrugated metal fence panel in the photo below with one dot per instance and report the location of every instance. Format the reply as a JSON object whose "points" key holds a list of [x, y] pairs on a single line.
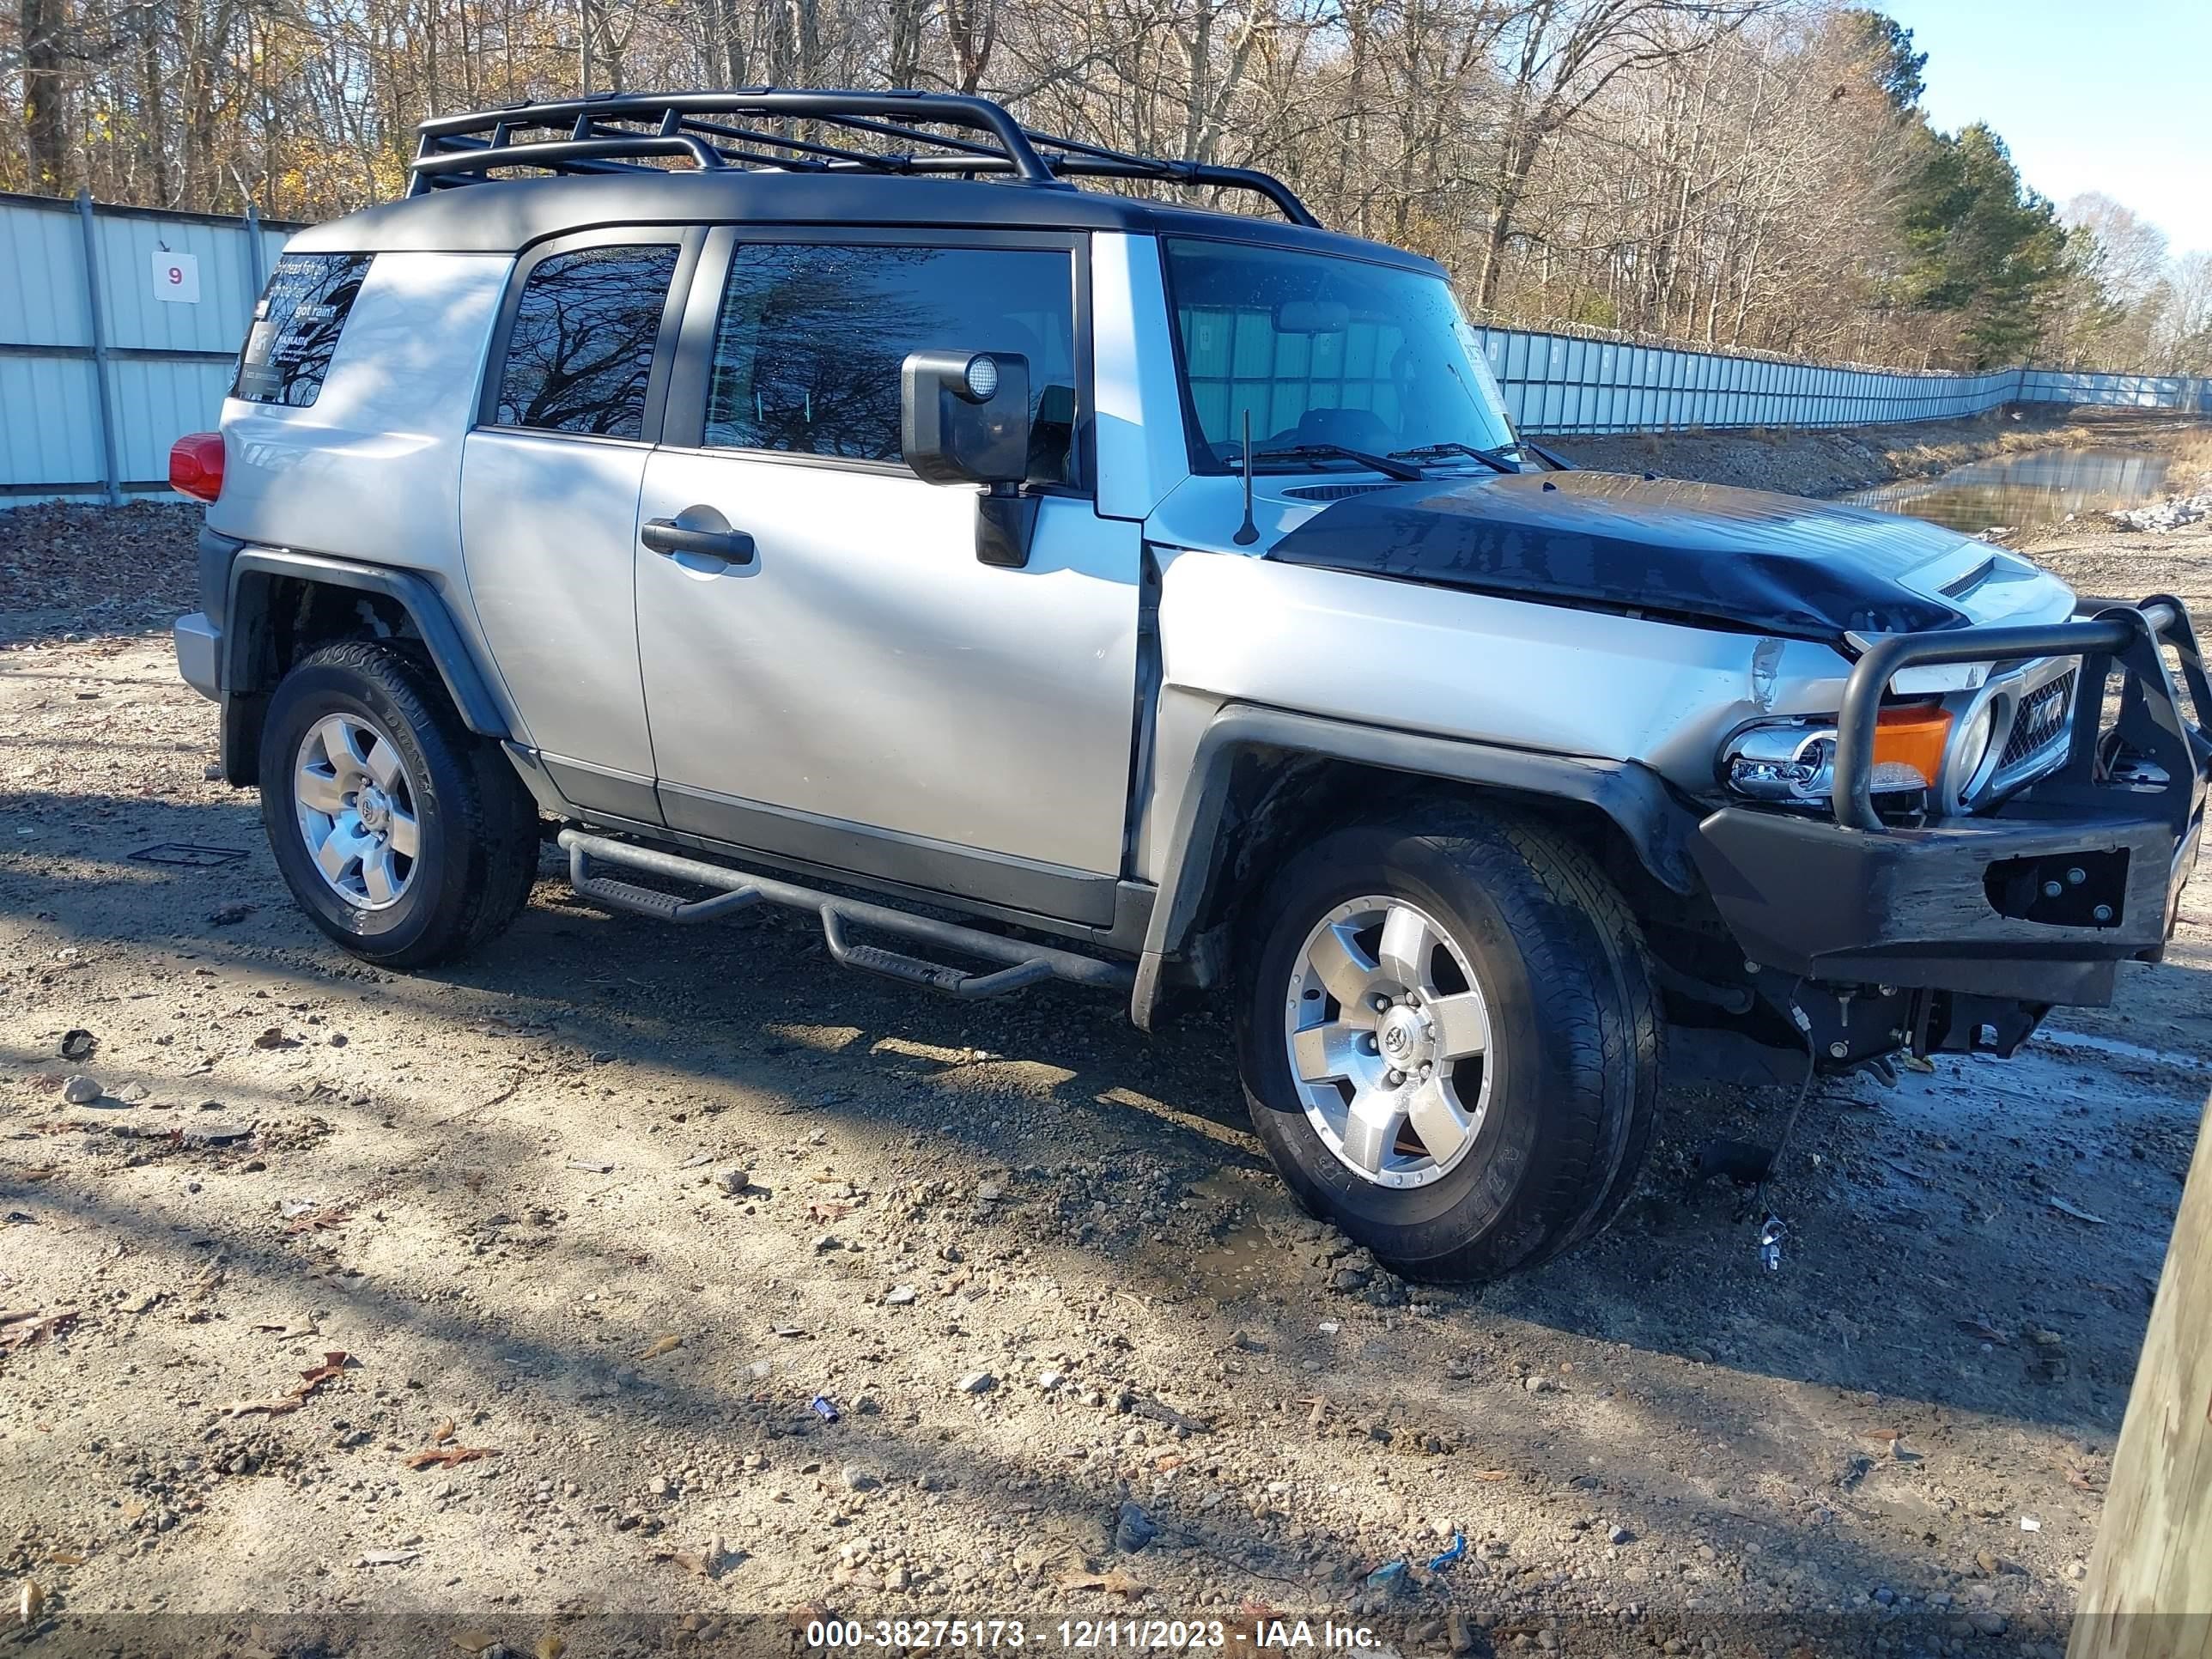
{"points": [[169, 360]]}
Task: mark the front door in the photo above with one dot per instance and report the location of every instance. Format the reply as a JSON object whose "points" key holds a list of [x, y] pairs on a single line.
{"points": [[860, 693]]}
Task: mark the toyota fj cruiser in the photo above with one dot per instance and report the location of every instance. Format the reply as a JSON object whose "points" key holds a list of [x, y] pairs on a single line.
{"points": [[863, 519]]}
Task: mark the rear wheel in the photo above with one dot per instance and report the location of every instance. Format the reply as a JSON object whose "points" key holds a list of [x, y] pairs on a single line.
{"points": [[407, 838], [1449, 1041]]}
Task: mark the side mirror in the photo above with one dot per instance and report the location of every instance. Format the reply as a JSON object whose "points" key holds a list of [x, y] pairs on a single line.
{"points": [[964, 418]]}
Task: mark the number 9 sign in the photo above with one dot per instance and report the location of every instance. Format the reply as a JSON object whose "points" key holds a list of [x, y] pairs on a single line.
{"points": [[177, 277]]}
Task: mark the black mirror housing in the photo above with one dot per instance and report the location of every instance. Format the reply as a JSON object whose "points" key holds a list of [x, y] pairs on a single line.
{"points": [[964, 417]]}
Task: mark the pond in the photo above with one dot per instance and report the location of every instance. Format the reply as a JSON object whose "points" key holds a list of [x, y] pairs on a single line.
{"points": [[2018, 492]]}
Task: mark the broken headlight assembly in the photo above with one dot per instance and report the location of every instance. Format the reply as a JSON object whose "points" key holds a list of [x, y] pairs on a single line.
{"points": [[1792, 761]]}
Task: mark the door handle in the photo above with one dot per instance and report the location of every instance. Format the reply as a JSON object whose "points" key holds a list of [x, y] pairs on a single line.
{"points": [[714, 540]]}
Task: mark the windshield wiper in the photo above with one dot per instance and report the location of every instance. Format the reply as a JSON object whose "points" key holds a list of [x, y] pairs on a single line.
{"points": [[1384, 465], [1493, 459]]}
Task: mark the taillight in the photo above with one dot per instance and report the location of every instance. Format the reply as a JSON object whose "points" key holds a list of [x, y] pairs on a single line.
{"points": [[196, 465]]}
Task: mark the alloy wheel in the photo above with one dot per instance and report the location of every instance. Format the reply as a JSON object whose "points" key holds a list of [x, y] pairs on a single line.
{"points": [[1389, 1042], [355, 807]]}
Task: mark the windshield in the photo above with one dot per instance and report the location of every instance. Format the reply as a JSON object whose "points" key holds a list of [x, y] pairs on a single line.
{"points": [[1323, 351]]}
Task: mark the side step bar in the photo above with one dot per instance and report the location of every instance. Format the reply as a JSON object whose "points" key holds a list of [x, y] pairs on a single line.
{"points": [[1027, 963]]}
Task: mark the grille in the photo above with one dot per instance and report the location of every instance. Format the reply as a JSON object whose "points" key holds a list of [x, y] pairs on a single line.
{"points": [[1332, 492], [2043, 715]]}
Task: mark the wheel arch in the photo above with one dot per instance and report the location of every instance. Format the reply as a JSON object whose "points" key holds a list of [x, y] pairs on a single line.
{"points": [[282, 604], [1264, 781]]}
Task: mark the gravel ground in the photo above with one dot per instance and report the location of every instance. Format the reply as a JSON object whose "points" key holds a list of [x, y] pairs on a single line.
{"points": [[622, 1272]]}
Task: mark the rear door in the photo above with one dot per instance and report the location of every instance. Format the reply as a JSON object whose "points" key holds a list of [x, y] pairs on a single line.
{"points": [[550, 481], [861, 693]]}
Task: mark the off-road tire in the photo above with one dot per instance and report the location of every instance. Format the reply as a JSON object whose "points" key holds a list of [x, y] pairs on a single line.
{"points": [[477, 823], [1575, 1027]]}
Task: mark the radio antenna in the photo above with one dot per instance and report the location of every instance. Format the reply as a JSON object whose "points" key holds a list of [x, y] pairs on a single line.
{"points": [[1247, 532]]}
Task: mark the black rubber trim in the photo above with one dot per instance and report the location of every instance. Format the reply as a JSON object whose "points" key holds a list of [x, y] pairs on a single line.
{"points": [[1633, 797], [216, 554], [247, 609]]}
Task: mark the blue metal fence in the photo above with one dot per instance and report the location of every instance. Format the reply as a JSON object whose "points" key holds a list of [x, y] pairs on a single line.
{"points": [[1561, 382], [112, 346], [118, 333]]}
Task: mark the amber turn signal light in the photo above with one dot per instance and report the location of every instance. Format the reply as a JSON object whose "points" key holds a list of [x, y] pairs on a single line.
{"points": [[1913, 734]]}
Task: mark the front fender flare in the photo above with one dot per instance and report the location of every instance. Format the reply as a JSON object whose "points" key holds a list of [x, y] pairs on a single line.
{"points": [[1633, 797]]}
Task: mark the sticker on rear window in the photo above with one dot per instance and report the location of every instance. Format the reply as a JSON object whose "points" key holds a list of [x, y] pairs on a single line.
{"points": [[297, 326]]}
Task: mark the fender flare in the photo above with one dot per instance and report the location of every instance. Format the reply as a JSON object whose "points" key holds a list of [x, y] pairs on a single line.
{"points": [[1632, 796], [246, 617]]}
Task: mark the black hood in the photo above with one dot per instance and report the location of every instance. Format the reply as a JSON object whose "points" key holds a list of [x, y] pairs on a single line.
{"points": [[1739, 558]]}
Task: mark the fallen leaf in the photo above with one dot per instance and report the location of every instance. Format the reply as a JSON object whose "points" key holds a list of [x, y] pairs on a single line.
{"points": [[442, 1433], [551, 1645], [474, 1641], [274, 1037], [1493, 1474], [662, 1344], [447, 1457], [821, 1211], [316, 1221], [1116, 1582], [290, 1402], [1982, 1331], [695, 1564], [590, 1167], [30, 1603], [334, 1363], [66, 1559], [20, 1330], [387, 1557]]}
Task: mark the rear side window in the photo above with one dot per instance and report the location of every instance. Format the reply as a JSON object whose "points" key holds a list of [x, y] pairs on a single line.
{"points": [[580, 352], [811, 336], [296, 327]]}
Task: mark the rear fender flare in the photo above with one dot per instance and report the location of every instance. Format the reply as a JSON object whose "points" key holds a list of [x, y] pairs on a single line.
{"points": [[249, 671]]}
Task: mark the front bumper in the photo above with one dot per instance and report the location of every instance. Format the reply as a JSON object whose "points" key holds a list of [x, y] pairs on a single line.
{"points": [[2037, 904], [199, 654]]}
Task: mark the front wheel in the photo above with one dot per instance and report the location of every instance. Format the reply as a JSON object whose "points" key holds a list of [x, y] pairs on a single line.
{"points": [[1448, 1040]]}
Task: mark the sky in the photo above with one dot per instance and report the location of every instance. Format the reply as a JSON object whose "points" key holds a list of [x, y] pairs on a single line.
{"points": [[2089, 94]]}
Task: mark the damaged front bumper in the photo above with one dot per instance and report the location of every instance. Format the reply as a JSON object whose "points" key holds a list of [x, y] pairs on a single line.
{"points": [[1961, 934]]}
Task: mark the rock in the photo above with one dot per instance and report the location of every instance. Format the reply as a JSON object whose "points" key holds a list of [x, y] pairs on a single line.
{"points": [[81, 1090], [1348, 1278], [659, 1485], [1133, 1528], [733, 1181], [898, 1296], [1989, 1624], [828, 1242], [1620, 1536], [990, 1193], [1540, 1385], [1048, 1381], [976, 1382], [860, 1479]]}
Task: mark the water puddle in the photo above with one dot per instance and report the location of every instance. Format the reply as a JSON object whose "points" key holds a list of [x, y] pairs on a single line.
{"points": [[2120, 1049], [2019, 492]]}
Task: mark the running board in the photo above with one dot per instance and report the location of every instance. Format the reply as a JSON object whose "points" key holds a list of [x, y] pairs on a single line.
{"points": [[1027, 963]]}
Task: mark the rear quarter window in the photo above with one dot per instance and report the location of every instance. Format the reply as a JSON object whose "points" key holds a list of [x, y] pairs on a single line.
{"points": [[296, 327]]}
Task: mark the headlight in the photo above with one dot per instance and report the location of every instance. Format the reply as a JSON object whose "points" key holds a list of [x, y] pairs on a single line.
{"points": [[1793, 762], [1973, 747]]}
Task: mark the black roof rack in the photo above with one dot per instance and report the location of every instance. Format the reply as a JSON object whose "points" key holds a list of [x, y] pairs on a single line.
{"points": [[619, 133]]}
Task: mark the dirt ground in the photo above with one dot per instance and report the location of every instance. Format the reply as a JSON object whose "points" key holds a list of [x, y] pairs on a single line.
{"points": [[624, 1272]]}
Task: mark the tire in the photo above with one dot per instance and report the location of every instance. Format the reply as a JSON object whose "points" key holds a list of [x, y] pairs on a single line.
{"points": [[474, 826], [1552, 1109]]}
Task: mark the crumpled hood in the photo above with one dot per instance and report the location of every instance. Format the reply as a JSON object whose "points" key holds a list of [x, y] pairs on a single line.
{"points": [[1708, 553]]}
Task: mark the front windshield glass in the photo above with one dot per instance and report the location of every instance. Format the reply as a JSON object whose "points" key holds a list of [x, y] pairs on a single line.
{"points": [[1323, 351]]}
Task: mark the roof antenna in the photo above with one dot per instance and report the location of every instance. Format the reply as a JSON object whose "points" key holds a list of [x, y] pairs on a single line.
{"points": [[1247, 532]]}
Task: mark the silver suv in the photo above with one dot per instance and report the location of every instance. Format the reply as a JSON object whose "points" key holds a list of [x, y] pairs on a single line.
{"points": [[864, 518]]}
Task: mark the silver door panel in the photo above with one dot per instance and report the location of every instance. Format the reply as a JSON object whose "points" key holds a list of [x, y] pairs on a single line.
{"points": [[867, 670], [549, 533]]}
